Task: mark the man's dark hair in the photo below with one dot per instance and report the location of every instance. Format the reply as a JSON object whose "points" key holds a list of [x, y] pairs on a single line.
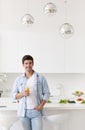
{"points": [[27, 57]]}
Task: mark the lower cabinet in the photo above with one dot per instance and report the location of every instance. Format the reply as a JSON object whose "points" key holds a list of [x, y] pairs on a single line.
{"points": [[63, 120]]}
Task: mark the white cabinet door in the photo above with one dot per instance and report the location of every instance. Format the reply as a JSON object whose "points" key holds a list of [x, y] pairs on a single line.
{"points": [[47, 50], [75, 56], [8, 52], [51, 54]]}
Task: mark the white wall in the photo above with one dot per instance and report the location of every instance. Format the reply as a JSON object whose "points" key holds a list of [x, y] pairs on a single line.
{"points": [[71, 82], [45, 31]]}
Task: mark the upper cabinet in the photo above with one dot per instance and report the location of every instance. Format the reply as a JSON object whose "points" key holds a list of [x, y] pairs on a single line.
{"points": [[75, 56], [50, 54], [47, 51], [8, 52]]}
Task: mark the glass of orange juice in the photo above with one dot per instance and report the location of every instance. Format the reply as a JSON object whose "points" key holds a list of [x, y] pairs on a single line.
{"points": [[27, 89]]}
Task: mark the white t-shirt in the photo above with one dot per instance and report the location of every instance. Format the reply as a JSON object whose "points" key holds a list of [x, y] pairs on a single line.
{"points": [[31, 99]]}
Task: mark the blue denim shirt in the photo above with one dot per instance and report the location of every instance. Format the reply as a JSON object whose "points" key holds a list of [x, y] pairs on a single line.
{"points": [[42, 91]]}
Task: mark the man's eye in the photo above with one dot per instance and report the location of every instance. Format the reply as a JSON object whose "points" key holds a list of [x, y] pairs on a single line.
{"points": [[25, 63]]}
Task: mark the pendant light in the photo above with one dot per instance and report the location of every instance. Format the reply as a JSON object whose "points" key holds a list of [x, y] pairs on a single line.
{"points": [[50, 8], [27, 19], [66, 29]]}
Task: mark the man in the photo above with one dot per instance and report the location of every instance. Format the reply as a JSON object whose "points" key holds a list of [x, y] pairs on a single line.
{"points": [[31, 89]]}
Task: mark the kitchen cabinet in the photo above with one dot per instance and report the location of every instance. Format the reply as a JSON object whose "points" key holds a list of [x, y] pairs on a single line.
{"points": [[75, 56], [47, 51], [8, 52], [51, 53]]}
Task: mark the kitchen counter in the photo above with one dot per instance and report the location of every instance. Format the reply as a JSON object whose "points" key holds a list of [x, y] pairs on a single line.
{"points": [[71, 106], [75, 112], [7, 104], [11, 105]]}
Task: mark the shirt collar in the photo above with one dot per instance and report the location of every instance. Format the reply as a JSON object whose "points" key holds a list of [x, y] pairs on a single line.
{"points": [[24, 75]]}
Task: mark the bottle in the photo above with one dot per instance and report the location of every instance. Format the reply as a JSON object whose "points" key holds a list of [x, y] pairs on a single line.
{"points": [[60, 90]]}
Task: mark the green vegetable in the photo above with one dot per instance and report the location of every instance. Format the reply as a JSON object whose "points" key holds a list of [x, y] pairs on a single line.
{"points": [[49, 101], [71, 101], [63, 101], [83, 102]]}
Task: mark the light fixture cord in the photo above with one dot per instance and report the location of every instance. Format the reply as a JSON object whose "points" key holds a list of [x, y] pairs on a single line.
{"points": [[27, 6], [65, 8], [65, 40]]}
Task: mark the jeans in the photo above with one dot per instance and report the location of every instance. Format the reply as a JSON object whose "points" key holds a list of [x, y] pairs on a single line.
{"points": [[32, 120]]}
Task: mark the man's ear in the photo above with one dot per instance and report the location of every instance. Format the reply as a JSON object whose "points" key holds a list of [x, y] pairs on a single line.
{"points": [[33, 63], [22, 64]]}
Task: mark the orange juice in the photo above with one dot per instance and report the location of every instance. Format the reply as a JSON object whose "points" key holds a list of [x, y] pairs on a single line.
{"points": [[27, 89]]}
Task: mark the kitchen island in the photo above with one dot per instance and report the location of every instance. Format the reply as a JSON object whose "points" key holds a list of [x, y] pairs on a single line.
{"points": [[74, 120]]}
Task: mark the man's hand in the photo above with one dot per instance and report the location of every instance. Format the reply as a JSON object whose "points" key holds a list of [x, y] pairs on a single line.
{"points": [[40, 107], [22, 94], [25, 93]]}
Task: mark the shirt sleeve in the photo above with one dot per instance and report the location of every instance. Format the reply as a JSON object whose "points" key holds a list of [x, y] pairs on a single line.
{"points": [[15, 89], [45, 88]]}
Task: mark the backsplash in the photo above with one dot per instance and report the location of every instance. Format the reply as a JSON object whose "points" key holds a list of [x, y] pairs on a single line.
{"points": [[68, 82]]}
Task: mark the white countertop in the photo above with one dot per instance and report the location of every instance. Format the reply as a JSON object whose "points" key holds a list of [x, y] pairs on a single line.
{"points": [[64, 106], [8, 102]]}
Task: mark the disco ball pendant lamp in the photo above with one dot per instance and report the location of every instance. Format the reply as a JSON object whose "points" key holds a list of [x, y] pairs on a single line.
{"points": [[50, 8], [66, 30], [27, 19]]}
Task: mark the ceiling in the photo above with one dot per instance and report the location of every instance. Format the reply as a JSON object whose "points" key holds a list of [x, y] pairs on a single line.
{"points": [[11, 12]]}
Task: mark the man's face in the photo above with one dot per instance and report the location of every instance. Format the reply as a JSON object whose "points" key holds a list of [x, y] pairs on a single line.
{"points": [[28, 65]]}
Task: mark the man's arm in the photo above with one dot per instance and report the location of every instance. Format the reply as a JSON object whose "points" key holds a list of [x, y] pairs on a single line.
{"points": [[45, 89], [15, 92], [46, 94]]}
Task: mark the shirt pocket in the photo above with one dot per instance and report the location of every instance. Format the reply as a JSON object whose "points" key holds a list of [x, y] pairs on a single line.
{"points": [[21, 87]]}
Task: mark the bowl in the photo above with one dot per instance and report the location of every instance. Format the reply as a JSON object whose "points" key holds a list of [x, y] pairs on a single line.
{"points": [[78, 94]]}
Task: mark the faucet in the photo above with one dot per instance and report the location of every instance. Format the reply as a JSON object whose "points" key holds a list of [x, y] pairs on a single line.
{"points": [[1, 92], [60, 87]]}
